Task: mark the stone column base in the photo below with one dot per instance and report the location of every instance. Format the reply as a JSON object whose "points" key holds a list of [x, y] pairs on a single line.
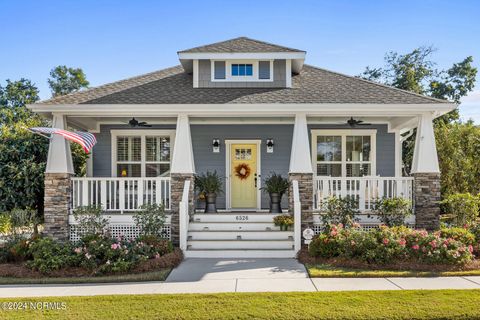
{"points": [[176, 186], [57, 203], [427, 200], [305, 188]]}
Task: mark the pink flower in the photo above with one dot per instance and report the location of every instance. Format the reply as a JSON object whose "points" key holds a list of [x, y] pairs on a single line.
{"points": [[157, 256], [340, 225], [470, 248], [433, 244], [402, 242], [78, 250], [115, 246], [386, 241], [356, 225], [415, 247], [333, 233], [352, 243], [87, 255]]}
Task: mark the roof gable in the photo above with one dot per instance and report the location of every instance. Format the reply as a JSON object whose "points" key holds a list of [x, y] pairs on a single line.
{"points": [[240, 45]]}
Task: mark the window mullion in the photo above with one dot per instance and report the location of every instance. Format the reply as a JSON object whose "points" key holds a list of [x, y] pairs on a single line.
{"points": [[344, 155], [143, 150]]}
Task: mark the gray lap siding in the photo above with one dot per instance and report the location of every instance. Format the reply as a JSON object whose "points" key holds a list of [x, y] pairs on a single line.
{"points": [[278, 161]]}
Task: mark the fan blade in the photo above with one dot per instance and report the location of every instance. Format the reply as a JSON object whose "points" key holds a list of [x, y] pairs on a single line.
{"points": [[144, 124]]}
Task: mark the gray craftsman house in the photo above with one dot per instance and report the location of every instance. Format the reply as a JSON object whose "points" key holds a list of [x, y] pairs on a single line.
{"points": [[240, 103]]}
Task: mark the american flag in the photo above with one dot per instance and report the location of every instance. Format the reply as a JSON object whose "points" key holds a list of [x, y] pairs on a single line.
{"points": [[85, 139]]}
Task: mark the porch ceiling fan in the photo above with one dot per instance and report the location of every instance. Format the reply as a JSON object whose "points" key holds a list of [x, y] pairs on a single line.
{"points": [[135, 123], [353, 122]]}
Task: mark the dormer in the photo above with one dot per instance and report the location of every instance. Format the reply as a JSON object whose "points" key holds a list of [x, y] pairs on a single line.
{"points": [[242, 63]]}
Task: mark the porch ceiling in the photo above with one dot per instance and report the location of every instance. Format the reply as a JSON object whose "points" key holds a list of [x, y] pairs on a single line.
{"points": [[400, 123]]}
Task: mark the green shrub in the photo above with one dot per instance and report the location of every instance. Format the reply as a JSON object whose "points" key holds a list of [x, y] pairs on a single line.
{"points": [[389, 245], [209, 182], [340, 211], [49, 255], [91, 221], [23, 218], [5, 225], [15, 249], [458, 234], [275, 183], [393, 211], [150, 220], [462, 208]]}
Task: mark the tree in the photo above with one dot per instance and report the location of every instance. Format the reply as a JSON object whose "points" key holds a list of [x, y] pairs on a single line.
{"points": [[65, 80], [416, 72], [23, 155]]}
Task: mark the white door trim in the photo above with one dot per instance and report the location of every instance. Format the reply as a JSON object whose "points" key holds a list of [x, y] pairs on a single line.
{"points": [[228, 162]]}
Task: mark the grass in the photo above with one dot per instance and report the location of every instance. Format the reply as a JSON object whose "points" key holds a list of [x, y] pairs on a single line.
{"points": [[160, 275], [329, 271], [439, 304]]}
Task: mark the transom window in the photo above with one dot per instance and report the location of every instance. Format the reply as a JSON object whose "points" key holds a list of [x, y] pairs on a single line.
{"points": [[242, 69], [138, 154], [344, 153]]}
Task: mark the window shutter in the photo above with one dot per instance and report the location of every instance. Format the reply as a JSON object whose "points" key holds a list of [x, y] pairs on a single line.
{"points": [[219, 70], [264, 69]]}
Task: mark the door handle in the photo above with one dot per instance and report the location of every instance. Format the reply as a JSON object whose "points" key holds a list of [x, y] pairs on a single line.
{"points": [[255, 180]]}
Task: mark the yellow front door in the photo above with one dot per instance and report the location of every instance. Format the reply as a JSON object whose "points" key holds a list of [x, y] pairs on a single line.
{"points": [[243, 175]]}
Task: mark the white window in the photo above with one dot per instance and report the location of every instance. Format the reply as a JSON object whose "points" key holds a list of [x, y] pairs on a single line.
{"points": [[344, 153], [141, 153], [241, 70]]}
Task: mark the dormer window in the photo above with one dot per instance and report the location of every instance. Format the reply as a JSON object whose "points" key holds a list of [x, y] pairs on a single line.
{"points": [[242, 69]]}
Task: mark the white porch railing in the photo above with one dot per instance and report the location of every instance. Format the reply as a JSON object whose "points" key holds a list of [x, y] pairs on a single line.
{"points": [[184, 216], [120, 194], [297, 217], [365, 190]]}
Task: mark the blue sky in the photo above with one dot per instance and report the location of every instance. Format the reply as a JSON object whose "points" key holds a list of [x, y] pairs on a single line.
{"points": [[112, 40]]}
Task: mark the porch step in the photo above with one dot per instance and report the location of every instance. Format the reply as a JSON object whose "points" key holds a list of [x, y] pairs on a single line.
{"points": [[239, 253], [234, 217], [232, 226], [240, 235]]}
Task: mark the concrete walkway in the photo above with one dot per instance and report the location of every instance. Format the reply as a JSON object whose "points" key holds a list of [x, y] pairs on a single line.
{"points": [[240, 275]]}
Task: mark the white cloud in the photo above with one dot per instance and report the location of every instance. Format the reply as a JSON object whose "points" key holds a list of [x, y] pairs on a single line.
{"points": [[470, 106]]}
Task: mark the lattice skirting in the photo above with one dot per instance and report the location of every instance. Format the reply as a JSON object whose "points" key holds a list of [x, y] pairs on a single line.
{"points": [[317, 228], [129, 231]]}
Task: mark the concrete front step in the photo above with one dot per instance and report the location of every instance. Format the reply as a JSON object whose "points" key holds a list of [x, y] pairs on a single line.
{"points": [[239, 253], [231, 226], [234, 217], [244, 235], [240, 244]]}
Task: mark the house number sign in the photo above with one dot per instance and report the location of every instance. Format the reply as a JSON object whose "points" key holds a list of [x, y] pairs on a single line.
{"points": [[241, 218]]}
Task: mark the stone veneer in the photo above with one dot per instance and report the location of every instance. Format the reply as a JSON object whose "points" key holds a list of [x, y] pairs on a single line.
{"points": [[176, 184], [57, 205], [305, 188], [427, 200]]}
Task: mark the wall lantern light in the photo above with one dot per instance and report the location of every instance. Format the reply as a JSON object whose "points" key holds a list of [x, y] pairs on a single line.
{"points": [[270, 145], [216, 145]]}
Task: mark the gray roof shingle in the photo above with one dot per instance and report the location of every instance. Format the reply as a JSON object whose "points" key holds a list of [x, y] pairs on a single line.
{"points": [[174, 86], [240, 44]]}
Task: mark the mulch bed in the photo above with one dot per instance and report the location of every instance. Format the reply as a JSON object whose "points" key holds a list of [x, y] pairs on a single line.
{"points": [[305, 258], [19, 270]]}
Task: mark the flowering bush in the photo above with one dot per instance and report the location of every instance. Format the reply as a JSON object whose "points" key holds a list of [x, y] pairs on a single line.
{"points": [[340, 211], [462, 208], [393, 211], [283, 220], [387, 245]]}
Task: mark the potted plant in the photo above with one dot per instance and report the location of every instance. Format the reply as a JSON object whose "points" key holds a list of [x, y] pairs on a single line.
{"points": [[284, 221], [209, 184], [276, 186]]}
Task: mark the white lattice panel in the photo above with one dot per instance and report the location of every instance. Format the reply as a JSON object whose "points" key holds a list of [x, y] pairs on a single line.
{"points": [[129, 231]]}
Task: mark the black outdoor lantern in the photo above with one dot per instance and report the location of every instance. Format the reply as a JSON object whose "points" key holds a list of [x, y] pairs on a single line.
{"points": [[216, 145], [270, 145]]}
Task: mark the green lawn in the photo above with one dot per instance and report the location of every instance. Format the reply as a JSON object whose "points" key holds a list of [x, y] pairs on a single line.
{"points": [[441, 304], [160, 275], [329, 271]]}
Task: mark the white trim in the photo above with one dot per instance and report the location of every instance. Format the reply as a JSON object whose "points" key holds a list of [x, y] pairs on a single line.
{"points": [[398, 154], [59, 158], [195, 73], [228, 71], [288, 73], [114, 133], [232, 110], [241, 55], [300, 152], [90, 165], [425, 159], [344, 133], [228, 163]]}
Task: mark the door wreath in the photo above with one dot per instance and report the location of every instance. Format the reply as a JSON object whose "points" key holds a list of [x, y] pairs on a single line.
{"points": [[242, 171]]}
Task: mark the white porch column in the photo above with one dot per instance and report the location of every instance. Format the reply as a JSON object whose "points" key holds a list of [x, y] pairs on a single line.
{"points": [[425, 159], [182, 159], [301, 170], [300, 157], [426, 172], [182, 169], [58, 183], [59, 154]]}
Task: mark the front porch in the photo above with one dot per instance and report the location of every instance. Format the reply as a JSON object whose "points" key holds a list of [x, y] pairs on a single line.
{"points": [[321, 157]]}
